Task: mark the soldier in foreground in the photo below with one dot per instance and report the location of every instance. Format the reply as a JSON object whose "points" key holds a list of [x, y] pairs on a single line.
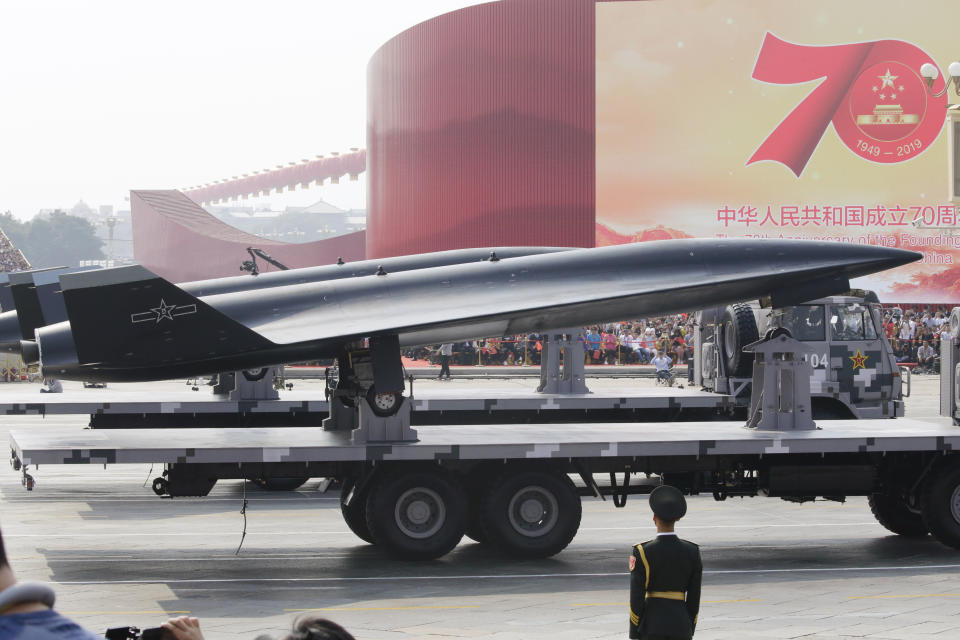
{"points": [[665, 575]]}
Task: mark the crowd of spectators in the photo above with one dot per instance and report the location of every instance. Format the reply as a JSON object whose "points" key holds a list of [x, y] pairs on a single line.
{"points": [[11, 258], [630, 342], [914, 335]]}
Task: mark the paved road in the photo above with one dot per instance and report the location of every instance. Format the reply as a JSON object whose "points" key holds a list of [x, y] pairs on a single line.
{"points": [[119, 555]]}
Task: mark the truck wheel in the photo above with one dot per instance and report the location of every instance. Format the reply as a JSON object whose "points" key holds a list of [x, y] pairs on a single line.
{"points": [[941, 505], [384, 404], [739, 330], [533, 514], [355, 514], [894, 516], [417, 515], [281, 484]]}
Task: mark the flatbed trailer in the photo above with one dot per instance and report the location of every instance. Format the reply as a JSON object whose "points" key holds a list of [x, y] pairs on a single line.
{"points": [[483, 402], [513, 484], [416, 492]]}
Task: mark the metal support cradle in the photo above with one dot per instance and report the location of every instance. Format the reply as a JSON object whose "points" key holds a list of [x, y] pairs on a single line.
{"points": [[568, 378], [780, 400], [366, 427], [241, 386]]}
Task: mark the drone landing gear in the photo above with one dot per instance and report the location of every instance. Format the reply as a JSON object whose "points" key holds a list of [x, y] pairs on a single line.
{"points": [[367, 398]]}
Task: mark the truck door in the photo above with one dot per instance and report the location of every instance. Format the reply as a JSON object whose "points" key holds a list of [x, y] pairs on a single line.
{"points": [[857, 364]]}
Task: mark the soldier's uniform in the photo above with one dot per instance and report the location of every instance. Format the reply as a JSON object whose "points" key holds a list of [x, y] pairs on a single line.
{"points": [[665, 575]]}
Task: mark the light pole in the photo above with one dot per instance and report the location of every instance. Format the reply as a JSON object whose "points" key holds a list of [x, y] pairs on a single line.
{"points": [[930, 75], [111, 222]]}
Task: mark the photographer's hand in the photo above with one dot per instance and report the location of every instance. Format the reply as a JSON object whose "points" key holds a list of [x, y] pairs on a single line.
{"points": [[184, 628]]}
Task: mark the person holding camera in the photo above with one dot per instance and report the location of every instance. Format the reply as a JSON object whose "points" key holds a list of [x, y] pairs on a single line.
{"points": [[26, 610]]}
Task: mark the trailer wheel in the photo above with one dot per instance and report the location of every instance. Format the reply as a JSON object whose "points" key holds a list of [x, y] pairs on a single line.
{"points": [[160, 486], [355, 513], [281, 483], [941, 505], [739, 330], [384, 404], [533, 514], [894, 516], [417, 515]]}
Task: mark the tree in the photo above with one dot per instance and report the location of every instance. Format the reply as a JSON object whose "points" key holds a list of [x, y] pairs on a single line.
{"points": [[60, 239]]}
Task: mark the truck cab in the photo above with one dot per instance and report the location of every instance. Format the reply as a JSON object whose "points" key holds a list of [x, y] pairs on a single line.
{"points": [[855, 373]]}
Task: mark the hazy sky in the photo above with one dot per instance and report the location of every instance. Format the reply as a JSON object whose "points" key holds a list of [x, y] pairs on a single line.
{"points": [[105, 96]]}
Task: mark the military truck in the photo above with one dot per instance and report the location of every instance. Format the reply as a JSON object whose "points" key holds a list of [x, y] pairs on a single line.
{"points": [[855, 374], [518, 487]]}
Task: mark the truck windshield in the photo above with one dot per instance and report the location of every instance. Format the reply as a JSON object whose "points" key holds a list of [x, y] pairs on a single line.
{"points": [[852, 322], [805, 323]]}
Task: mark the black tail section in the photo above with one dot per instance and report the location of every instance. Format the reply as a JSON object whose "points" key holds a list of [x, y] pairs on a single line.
{"points": [[37, 297], [27, 301], [6, 297], [129, 317]]}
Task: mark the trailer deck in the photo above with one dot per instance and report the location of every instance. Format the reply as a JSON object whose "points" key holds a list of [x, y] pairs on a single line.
{"points": [[508, 441], [481, 397]]}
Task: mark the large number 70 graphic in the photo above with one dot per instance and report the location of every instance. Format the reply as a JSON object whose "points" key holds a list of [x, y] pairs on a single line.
{"points": [[871, 91]]}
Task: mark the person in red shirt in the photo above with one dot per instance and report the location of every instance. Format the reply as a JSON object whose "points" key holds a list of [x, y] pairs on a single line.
{"points": [[889, 327], [610, 347]]}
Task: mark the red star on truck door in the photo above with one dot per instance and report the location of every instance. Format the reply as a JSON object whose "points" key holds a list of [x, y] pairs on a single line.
{"points": [[859, 360]]}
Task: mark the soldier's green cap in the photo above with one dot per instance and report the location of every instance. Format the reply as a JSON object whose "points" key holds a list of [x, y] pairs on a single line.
{"points": [[668, 503]]}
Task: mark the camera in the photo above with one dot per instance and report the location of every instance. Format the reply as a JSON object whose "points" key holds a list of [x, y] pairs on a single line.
{"points": [[135, 633]]}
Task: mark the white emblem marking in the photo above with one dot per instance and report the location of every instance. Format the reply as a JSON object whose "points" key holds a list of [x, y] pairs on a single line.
{"points": [[164, 311]]}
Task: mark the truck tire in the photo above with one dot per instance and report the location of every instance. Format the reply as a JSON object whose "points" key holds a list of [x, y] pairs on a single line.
{"points": [[941, 505], [894, 516], [531, 514], [355, 514], [739, 330], [708, 360], [417, 514]]}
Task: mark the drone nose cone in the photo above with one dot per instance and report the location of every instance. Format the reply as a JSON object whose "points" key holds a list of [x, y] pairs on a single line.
{"points": [[867, 259], [892, 255]]}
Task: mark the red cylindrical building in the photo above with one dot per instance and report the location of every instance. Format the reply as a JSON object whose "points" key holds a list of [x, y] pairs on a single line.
{"points": [[481, 130]]}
